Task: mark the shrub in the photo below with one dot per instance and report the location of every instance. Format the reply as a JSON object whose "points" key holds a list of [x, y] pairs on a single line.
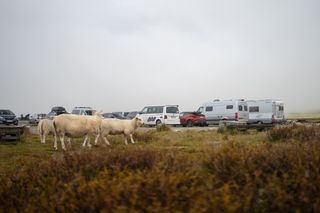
{"points": [[163, 128], [302, 133]]}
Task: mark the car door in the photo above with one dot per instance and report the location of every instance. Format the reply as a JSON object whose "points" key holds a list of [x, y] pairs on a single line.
{"points": [[171, 115]]}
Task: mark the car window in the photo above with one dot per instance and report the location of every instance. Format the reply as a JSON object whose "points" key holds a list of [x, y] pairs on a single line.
{"points": [[200, 110], [240, 108], [209, 108], [172, 110], [89, 112], [245, 108]]}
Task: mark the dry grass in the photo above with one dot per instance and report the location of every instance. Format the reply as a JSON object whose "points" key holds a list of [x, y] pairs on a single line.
{"points": [[166, 171]]}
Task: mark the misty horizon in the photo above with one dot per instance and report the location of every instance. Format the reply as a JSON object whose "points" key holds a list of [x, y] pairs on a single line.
{"points": [[124, 55]]}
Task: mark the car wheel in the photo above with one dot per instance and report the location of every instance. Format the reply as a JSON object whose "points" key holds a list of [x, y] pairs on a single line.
{"points": [[158, 122], [189, 123]]}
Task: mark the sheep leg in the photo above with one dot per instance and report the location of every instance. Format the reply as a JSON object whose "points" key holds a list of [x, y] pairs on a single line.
{"points": [[55, 144], [96, 140], [85, 141], [69, 142], [41, 138], [132, 141], [126, 139], [62, 143], [106, 140], [89, 144]]}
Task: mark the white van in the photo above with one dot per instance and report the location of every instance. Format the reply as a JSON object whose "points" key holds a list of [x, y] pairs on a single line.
{"points": [[156, 115], [83, 111], [266, 111], [228, 110]]}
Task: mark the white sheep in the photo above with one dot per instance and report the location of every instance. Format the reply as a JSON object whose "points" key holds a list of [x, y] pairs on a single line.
{"points": [[116, 127], [74, 126]]}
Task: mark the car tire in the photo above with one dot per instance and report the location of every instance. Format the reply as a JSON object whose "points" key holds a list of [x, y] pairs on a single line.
{"points": [[189, 123]]}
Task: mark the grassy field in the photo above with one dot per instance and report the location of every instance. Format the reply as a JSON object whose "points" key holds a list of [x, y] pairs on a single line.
{"points": [[166, 171]]}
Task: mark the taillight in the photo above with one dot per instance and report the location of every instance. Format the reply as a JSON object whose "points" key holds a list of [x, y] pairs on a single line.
{"points": [[165, 116], [236, 116]]}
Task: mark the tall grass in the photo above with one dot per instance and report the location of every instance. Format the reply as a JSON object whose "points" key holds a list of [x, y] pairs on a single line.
{"points": [[235, 176]]}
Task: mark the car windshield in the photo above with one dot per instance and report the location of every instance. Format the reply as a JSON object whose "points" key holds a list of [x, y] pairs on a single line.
{"points": [[6, 112]]}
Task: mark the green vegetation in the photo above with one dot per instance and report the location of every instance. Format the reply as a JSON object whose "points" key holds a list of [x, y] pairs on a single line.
{"points": [[166, 171]]}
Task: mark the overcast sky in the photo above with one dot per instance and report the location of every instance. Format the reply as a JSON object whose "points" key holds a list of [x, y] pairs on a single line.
{"points": [[120, 55]]}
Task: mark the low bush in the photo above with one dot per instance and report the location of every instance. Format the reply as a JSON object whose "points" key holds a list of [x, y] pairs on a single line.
{"points": [[163, 128], [147, 177], [302, 133]]}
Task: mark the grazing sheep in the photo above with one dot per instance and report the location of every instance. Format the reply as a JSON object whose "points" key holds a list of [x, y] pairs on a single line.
{"points": [[74, 126], [45, 127], [116, 127]]}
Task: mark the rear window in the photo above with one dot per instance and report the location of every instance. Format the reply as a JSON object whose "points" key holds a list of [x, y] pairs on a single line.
{"points": [[229, 106], [172, 110], [240, 108], [281, 108], [254, 109], [209, 108], [245, 108]]}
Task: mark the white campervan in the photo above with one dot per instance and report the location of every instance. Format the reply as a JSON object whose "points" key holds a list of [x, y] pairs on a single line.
{"points": [[266, 111], [229, 110], [156, 115]]}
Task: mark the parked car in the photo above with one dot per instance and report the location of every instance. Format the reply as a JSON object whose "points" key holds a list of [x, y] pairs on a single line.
{"points": [[112, 116], [35, 118], [156, 115], [228, 110], [192, 119], [58, 110], [83, 111], [122, 114], [266, 111], [132, 115], [8, 117]]}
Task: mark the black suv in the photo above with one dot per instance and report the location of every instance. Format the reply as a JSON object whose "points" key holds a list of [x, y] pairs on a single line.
{"points": [[58, 110], [7, 117]]}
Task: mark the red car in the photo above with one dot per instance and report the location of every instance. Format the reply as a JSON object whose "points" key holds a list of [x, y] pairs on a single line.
{"points": [[192, 118]]}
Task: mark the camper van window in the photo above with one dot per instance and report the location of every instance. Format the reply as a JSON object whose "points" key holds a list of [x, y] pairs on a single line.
{"points": [[245, 108], [172, 110], [229, 107], [280, 108], [254, 109], [240, 108], [209, 108]]}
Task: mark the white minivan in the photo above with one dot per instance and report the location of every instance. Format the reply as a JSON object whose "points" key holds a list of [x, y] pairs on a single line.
{"points": [[156, 115], [227, 110], [266, 111]]}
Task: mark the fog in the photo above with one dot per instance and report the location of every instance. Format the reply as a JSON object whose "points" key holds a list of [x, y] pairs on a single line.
{"points": [[123, 55]]}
